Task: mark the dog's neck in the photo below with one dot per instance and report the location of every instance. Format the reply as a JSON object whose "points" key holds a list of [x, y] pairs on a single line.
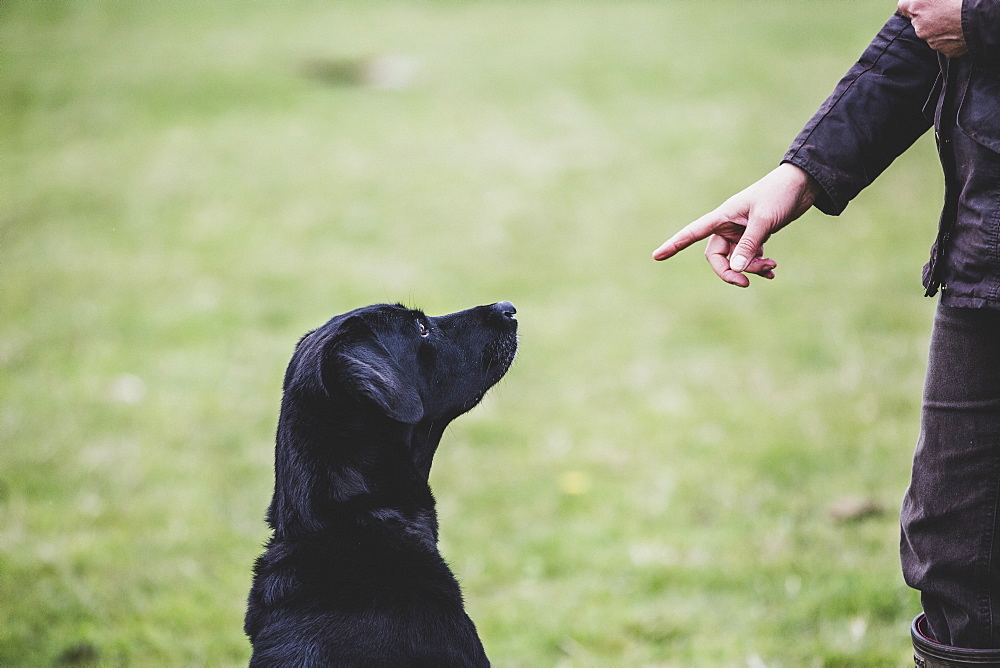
{"points": [[336, 472], [422, 442]]}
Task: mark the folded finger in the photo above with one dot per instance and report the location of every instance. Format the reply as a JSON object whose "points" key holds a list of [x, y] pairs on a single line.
{"points": [[717, 255], [761, 266]]}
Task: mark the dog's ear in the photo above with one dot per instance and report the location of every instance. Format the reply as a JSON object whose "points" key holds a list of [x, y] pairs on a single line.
{"points": [[345, 355], [367, 370]]}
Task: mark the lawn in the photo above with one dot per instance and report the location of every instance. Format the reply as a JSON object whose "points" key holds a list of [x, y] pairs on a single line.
{"points": [[675, 472]]}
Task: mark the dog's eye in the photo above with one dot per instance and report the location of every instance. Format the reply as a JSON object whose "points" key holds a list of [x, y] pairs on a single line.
{"points": [[422, 328]]}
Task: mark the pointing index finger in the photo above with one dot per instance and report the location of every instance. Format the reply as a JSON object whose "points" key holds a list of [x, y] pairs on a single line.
{"points": [[690, 234]]}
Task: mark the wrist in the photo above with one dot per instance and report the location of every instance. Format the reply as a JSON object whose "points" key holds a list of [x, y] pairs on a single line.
{"points": [[800, 178]]}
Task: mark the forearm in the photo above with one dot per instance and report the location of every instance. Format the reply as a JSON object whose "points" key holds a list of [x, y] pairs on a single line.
{"points": [[874, 114]]}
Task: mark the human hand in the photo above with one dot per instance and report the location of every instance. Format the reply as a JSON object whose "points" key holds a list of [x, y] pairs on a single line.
{"points": [[937, 22], [740, 226]]}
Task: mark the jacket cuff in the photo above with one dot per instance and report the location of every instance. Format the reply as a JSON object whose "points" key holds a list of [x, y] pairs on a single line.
{"points": [[981, 28], [827, 199]]}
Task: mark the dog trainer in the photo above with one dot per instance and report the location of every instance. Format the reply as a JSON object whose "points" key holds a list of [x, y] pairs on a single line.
{"points": [[935, 63]]}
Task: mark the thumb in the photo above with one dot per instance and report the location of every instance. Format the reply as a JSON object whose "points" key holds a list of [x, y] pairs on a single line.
{"points": [[749, 245]]}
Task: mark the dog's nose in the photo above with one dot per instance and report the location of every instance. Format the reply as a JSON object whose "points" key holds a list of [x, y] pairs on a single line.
{"points": [[506, 309]]}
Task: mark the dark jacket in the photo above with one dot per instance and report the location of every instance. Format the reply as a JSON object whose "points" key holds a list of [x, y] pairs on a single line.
{"points": [[898, 90]]}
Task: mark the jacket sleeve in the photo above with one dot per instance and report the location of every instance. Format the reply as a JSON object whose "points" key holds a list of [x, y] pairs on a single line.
{"points": [[873, 115], [981, 27]]}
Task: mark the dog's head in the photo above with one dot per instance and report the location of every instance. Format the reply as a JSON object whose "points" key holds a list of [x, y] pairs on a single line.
{"points": [[406, 365]]}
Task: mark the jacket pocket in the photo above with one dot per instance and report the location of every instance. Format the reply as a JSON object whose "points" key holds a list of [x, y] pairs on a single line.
{"points": [[978, 116]]}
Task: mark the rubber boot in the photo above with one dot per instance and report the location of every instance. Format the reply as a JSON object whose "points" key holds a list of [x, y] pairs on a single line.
{"points": [[928, 653]]}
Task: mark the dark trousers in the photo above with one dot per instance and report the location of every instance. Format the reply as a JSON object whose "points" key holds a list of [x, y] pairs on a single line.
{"points": [[950, 546]]}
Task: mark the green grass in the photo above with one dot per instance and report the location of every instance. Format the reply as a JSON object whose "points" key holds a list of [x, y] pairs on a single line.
{"points": [[181, 197]]}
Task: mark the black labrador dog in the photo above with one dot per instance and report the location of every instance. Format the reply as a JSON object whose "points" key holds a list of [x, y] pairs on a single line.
{"points": [[352, 575]]}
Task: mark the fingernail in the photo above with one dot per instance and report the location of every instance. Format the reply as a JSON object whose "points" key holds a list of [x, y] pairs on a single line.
{"points": [[738, 263]]}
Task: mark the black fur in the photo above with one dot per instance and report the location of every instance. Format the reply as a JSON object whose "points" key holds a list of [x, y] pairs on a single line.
{"points": [[352, 575]]}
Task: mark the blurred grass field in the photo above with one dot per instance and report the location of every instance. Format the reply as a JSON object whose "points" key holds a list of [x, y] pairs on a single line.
{"points": [[186, 188]]}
